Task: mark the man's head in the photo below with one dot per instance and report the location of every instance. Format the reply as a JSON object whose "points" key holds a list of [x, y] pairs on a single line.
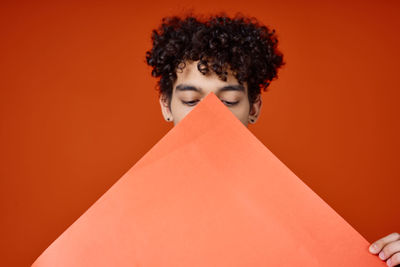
{"points": [[232, 57]]}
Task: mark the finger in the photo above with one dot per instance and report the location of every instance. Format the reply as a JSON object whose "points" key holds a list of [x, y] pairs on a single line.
{"points": [[379, 244], [394, 260], [389, 250]]}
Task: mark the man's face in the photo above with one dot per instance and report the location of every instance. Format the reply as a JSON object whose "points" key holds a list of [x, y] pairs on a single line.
{"points": [[191, 86]]}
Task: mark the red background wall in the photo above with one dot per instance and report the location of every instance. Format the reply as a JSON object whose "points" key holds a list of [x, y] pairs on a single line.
{"points": [[78, 107]]}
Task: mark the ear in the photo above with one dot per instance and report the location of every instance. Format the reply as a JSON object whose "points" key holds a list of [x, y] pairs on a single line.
{"points": [[166, 112], [255, 110]]}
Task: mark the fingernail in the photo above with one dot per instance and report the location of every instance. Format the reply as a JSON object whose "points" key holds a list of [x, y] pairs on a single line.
{"points": [[381, 255], [373, 248], [389, 262]]}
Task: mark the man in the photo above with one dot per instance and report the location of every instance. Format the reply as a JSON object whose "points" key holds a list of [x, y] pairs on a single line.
{"points": [[235, 58]]}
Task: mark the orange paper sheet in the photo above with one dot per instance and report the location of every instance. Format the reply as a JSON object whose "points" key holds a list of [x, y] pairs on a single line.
{"points": [[209, 193]]}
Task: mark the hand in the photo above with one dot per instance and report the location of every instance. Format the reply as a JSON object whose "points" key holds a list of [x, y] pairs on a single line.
{"points": [[388, 248]]}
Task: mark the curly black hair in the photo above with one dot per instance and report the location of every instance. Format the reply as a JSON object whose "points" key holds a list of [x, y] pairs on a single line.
{"points": [[218, 42]]}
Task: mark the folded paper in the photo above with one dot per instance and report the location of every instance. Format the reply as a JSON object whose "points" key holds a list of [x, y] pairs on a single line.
{"points": [[209, 193]]}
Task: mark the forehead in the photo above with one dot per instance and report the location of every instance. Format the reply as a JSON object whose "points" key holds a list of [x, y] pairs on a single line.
{"points": [[191, 74]]}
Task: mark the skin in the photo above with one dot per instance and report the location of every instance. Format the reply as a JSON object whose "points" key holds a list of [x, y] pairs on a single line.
{"points": [[191, 86], [388, 249]]}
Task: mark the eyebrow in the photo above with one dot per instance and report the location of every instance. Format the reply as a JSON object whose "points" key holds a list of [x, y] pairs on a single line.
{"points": [[184, 87]]}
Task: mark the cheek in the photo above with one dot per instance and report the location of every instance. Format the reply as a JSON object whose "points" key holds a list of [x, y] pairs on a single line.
{"points": [[241, 114], [242, 110], [179, 110]]}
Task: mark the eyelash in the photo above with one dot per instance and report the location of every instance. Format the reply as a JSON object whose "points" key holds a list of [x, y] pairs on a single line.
{"points": [[192, 103]]}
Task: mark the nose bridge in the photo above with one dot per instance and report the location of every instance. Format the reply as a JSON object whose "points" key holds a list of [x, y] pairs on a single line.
{"points": [[207, 89], [207, 93]]}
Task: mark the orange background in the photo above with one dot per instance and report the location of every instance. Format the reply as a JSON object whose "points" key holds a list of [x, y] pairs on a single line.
{"points": [[78, 107]]}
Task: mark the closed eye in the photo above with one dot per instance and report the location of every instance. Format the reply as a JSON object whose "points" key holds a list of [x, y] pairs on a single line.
{"points": [[228, 103], [190, 103], [194, 102]]}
